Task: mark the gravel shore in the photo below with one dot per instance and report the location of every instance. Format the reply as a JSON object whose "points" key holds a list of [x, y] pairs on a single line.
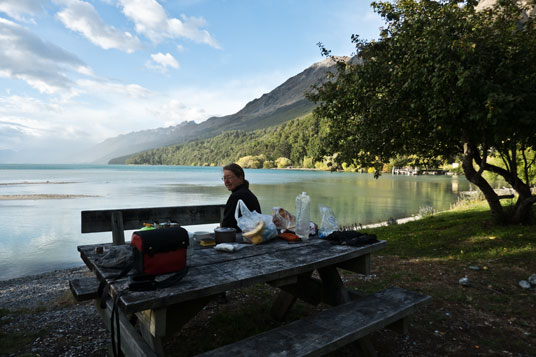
{"points": [[41, 308]]}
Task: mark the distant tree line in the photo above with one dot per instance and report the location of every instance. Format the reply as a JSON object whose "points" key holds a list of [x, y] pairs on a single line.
{"points": [[298, 143], [294, 143]]}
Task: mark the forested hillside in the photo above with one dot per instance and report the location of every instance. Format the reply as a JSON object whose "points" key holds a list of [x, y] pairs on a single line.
{"points": [[292, 143]]}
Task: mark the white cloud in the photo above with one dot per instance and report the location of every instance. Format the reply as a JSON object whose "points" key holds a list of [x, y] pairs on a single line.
{"points": [[42, 65], [57, 128], [16, 9], [81, 16], [174, 112], [104, 89], [151, 20], [162, 62]]}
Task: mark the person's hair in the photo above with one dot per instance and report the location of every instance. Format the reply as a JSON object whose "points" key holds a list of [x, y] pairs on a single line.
{"points": [[237, 170]]}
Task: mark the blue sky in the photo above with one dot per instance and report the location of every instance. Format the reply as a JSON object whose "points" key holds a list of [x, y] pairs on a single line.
{"points": [[73, 72]]}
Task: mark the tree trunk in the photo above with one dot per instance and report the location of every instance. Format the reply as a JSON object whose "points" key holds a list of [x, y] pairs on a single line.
{"points": [[497, 211], [523, 210], [520, 213]]}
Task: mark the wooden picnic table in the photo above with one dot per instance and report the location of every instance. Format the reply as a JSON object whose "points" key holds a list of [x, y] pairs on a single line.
{"points": [[288, 266]]}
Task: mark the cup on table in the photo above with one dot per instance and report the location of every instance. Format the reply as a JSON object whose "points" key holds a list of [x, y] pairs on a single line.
{"points": [[202, 235]]}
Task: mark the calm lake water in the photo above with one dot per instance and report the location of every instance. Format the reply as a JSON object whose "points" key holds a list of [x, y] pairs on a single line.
{"points": [[42, 235]]}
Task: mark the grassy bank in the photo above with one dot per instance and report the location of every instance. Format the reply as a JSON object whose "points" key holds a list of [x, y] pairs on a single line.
{"points": [[492, 316]]}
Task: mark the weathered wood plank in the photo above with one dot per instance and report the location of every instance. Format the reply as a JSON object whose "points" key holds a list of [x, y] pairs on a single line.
{"points": [[155, 320], [230, 273], [330, 329], [131, 342], [134, 218], [84, 289], [359, 265], [118, 230]]}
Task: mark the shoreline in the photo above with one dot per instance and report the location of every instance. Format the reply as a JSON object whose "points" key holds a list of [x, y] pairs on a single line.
{"points": [[42, 196]]}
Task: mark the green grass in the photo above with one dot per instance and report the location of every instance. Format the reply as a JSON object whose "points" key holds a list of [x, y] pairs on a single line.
{"points": [[462, 234]]}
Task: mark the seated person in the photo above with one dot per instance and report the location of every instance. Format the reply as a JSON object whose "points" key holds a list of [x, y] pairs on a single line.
{"points": [[234, 180]]}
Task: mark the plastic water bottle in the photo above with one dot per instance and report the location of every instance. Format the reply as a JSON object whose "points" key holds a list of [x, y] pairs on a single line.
{"points": [[303, 203], [190, 249]]}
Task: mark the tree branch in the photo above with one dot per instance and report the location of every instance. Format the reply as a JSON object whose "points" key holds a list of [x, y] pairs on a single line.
{"points": [[483, 160], [526, 168]]}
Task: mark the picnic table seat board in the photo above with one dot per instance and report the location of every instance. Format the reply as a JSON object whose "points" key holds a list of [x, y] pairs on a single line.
{"points": [[330, 329], [84, 289]]}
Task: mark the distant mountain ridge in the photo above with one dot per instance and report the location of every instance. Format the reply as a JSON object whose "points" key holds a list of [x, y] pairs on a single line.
{"points": [[282, 104]]}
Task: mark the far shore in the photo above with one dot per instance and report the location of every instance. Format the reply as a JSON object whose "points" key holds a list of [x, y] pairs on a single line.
{"points": [[52, 196], [36, 183]]}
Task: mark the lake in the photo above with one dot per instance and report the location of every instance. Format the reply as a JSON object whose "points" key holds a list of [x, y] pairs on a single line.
{"points": [[41, 233]]}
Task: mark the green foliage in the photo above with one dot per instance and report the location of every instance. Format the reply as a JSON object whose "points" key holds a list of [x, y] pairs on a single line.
{"points": [[308, 163], [296, 140], [443, 81], [283, 162], [268, 164], [252, 162]]}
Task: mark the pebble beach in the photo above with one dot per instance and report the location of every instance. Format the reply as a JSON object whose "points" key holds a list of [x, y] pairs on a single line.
{"points": [[41, 307]]}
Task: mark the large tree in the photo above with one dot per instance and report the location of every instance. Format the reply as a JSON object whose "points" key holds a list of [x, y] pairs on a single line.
{"points": [[443, 80]]}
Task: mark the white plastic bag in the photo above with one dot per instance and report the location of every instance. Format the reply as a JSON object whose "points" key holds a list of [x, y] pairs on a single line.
{"points": [[283, 219], [329, 222], [250, 221]]}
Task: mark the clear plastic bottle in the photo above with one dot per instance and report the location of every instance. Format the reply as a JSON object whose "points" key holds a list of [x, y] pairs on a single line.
{"points": [[303, 203]]}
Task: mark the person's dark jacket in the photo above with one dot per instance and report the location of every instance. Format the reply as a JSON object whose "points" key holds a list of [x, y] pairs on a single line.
{"points": [[243, 193]]}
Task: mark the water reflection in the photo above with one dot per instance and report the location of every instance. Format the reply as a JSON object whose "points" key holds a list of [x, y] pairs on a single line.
{"points": [[358, 198]]}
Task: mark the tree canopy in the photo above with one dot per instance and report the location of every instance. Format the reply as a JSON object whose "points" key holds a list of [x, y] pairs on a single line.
{"points": [[443, 80]]}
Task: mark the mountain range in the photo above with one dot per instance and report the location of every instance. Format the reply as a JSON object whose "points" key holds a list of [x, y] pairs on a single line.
{"points": [[285, 102]]}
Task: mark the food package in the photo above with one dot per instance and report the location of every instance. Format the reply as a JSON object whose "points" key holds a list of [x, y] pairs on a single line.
{"points": [[283, 219], [255, 235]]}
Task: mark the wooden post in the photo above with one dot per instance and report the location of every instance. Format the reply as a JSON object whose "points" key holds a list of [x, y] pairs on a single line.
{"points": [[334, 292], [118, 232]]}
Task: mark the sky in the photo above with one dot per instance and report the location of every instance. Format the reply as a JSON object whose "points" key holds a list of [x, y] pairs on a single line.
{"points": [[76, 72]]}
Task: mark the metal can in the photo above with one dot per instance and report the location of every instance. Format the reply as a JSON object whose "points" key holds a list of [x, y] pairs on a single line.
{"points": [[225, 235]]}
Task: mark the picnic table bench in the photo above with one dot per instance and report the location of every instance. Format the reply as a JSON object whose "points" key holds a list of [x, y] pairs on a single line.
{"points": [[288, 267]]}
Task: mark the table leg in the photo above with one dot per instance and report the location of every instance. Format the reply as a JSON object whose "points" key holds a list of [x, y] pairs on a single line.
{"points": [[159, 323], [303, 287], [155, 342], [333, 289], [132, 344], [335, 293], [282, 305]]}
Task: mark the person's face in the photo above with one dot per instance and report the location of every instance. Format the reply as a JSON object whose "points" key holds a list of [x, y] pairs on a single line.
{"points": [[230, 180]]}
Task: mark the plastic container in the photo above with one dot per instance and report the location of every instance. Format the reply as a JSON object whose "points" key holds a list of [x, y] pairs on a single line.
{"points": [[303, 203], [190, 249]]}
